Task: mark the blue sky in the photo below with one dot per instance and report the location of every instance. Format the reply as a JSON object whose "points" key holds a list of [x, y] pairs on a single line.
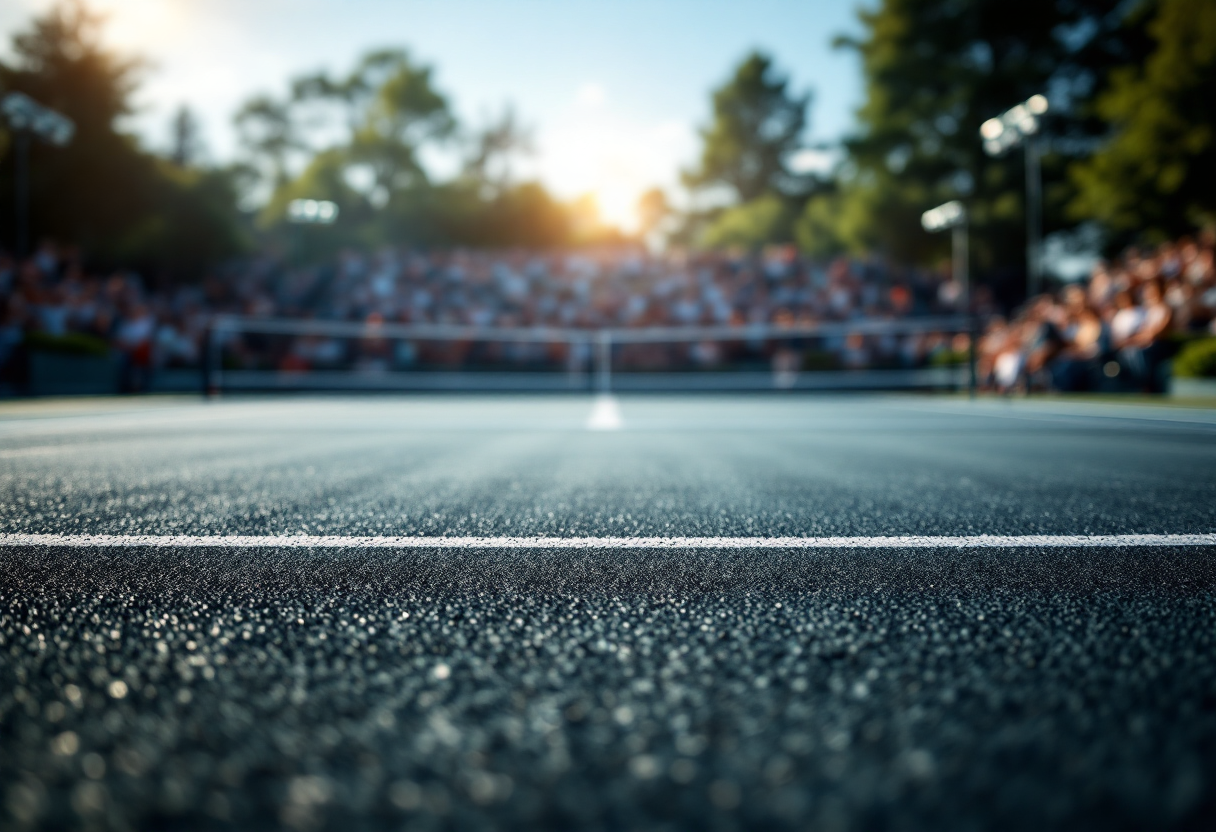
{"points": [[613, 91]]}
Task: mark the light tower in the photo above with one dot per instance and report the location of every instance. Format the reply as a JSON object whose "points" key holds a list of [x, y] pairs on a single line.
{"points": [[1020, 125], [952, 216], [29, 118]]}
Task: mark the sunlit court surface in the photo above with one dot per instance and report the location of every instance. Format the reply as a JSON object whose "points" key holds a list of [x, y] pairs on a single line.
{"points": [[475, 612]]}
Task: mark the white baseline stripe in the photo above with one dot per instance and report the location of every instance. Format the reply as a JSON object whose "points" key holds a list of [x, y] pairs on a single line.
{"points": [[983, 541]]}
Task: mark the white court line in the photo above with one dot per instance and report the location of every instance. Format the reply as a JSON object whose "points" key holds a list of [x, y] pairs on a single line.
{"points": [[41, 450], [1072, 413], [983, 541], [605, 414]]}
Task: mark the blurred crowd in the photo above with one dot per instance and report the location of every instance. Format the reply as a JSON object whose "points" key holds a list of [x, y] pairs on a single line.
{"points": [[1117, 324], [50, 294], [49, 302], [1115, 330]]}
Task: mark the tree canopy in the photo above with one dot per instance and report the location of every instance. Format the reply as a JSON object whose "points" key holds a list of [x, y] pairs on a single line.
{"points": [[934, 72], [1156, 174], [360, 138], [1130, 143], [121, 204], [757, 125]]}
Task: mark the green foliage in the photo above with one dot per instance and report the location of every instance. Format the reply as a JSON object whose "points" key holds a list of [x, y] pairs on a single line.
{"points": [[935, 71], [1196, 360], [389, 111], [817, 229], [401, 114], [850, 218], [757, 124], [61, 62], [192, 225], [653, 209], [488, 164], [187, 141], [522, 215], [268, 135], [820, 361], [325, 177], [948, 358], [765, 219], [72, 343], [1155, 175], [120, 204]]}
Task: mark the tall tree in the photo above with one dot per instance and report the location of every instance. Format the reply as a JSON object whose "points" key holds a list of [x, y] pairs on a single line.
{"points": [[492, 151], [405, 113], [102, 191], [391, 109], [269, 136], [935, 70], [1156, 175], [85, 192], [357, 138], [757, 125], [751, 225], [186, 138], [653, 208]]}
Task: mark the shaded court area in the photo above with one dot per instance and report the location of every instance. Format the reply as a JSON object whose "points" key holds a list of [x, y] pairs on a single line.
{"points": [[602, 685]]}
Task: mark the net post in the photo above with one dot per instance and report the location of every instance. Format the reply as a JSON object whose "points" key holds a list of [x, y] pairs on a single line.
{"points": [[210, 360], [205, 362], [962, 276], [604, 361]]}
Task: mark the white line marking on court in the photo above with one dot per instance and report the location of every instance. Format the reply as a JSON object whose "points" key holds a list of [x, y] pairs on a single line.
{"points": [[983, 541], [605, 414], [41, 450], [1062, 413]]}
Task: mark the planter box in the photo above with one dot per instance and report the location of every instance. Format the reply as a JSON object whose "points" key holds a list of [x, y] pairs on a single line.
{"points": [[1193, 388], [55, 374]]}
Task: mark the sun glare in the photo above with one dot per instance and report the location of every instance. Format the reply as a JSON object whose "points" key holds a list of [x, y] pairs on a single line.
{"points": [[142, 25], [613, 179], [614, 160]]}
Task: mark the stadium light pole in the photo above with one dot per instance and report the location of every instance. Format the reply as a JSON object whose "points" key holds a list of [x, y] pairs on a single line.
{"points": [[1020, 125], [302, 212], [28, 118], [312, 212], [952, 216]]}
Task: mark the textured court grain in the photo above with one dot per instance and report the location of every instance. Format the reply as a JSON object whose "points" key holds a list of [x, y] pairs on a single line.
{"points": [[475, 613]]}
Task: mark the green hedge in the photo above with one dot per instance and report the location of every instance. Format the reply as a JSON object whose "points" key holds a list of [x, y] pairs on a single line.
{"points": [[1197, 359], [948, 358], [819, 360], [72, 343]]}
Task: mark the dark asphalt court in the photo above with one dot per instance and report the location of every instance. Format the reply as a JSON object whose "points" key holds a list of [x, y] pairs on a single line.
{"points": [[884, 689]]}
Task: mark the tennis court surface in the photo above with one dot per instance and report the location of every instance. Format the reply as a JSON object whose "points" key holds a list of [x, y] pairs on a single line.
{"points": [[659, 613]]}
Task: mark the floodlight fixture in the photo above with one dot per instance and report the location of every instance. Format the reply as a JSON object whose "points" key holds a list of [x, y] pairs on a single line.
{"points": [[312, 211], [1007, 130], [1018, 126], [952, 216], [23, 113], [944, 217], [26, 117]]}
